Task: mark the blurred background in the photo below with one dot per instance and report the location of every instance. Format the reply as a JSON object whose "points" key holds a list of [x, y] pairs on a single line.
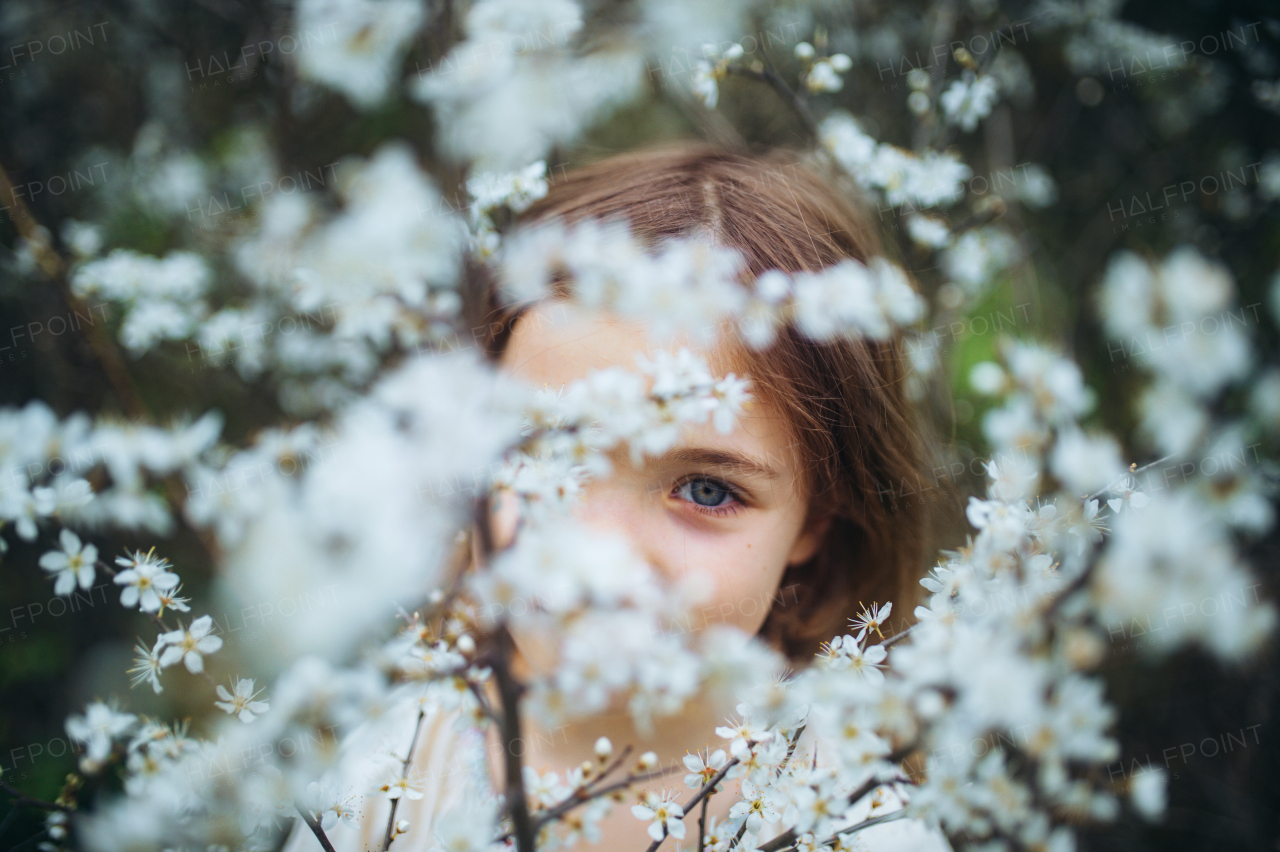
{"points": [[166, 124]]}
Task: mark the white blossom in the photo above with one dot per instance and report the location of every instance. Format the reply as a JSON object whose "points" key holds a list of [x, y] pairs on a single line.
{"points": [[73, 565], [1147, 791], [97, 731], [241, 703], [147, 668], [144, 577], [969, 100], [188, 644], [359, 44], [663, 815]]}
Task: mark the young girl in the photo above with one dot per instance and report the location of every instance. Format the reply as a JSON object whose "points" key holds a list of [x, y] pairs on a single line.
{"points": [[801, 506]]}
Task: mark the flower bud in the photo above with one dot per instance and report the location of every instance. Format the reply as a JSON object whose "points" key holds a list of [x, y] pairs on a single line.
{"points": [[604, 748], [648, 760]]}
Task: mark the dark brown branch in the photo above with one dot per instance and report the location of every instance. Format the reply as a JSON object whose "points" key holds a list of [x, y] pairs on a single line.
{"points": [[509, 691], [889, 817], [314, 825], [611, 768], [770, 76], [54, 269], [21, 799], [544, 817], [789, 837], [488, 711]]}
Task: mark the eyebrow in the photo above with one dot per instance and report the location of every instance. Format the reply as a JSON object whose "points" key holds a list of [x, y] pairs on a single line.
{"points": [[737, 462]]}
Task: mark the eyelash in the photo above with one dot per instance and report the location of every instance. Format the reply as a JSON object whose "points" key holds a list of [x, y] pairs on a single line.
{"points": [[714, 511]]}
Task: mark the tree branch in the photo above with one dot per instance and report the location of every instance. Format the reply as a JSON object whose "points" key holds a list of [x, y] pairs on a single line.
{"points": [[544, 817], [897, 637], [509, 691], [770, 76], [21, 799], [54, 269], [314, 825], [702, 825], [703, 795], [404, 773]]}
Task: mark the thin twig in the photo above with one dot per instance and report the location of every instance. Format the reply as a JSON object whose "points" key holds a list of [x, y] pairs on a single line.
{"points": [[157, 620], [710, 786], [314, 825], [404, 774], [1133, 472], [1081, 580], [990, 211], [543, 817], [613, 767], [703, 795], [786, 842], [789, 837], [779, 85], [880, 820], [897, 637], [13, 812], [1077, 583], [21, 798], [797, 100], [631, 780]]}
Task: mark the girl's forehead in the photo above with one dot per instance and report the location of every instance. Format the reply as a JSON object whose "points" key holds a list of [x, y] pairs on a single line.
{"points": [[556, 343]]}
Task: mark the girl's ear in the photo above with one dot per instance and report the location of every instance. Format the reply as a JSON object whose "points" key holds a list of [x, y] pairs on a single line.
{"points": [[809, 540]]}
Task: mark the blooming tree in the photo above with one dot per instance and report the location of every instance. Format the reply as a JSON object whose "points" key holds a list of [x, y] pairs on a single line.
{"points": [[391, 433]]}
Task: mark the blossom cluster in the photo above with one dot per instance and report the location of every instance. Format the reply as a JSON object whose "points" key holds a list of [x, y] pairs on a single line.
{"points": [[689, 287]]}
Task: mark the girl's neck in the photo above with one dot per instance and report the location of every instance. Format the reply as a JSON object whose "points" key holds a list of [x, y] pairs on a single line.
{"points": [[559, 747], [565, 746]]}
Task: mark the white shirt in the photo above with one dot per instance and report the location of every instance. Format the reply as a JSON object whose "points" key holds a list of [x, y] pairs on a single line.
{"points": [[449, 766]]}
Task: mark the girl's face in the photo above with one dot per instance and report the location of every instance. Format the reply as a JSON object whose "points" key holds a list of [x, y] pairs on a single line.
{"points": [[725, 509]]}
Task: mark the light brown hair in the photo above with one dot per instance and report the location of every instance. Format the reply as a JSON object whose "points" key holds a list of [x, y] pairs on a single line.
{"points": [[859, 435]]}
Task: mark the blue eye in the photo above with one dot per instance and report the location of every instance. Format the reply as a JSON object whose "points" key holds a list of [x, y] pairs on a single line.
{"points": [[705, 492]]}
